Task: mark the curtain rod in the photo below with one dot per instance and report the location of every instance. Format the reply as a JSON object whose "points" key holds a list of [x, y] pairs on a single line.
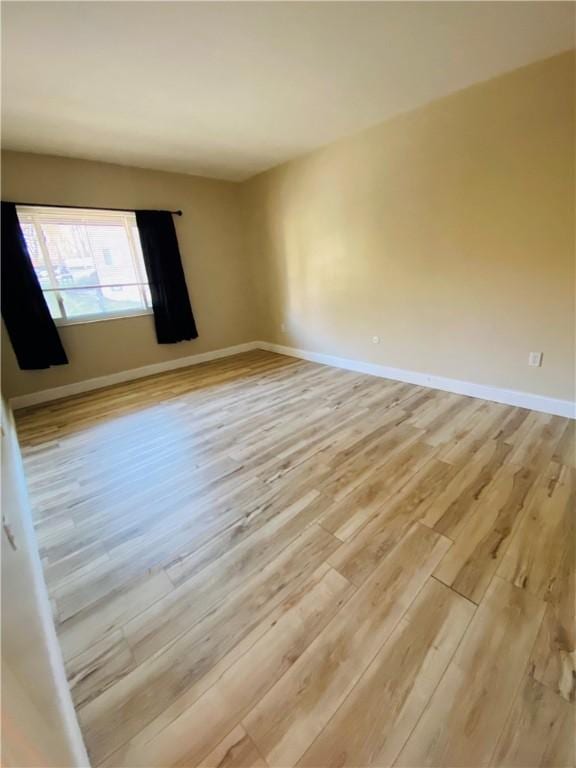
{"points": [[85, 207]]}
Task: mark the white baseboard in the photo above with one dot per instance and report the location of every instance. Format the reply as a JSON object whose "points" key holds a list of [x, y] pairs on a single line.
{"points": [[540, 403], [46, 395], [495, 394]]}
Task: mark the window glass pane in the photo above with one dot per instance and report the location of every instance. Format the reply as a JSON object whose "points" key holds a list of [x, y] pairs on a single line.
{"points": [[112, 255], [53, 305], [72, 263], [93, 257], [35, 253], [98, 301], [137, 244], [89, 255]]}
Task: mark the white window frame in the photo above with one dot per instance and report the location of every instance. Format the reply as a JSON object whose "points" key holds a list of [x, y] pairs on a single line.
{"points": [[86, 216]]}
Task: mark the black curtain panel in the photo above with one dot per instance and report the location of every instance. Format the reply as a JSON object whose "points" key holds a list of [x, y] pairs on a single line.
{"points": [[26, 315], [173, 316]]}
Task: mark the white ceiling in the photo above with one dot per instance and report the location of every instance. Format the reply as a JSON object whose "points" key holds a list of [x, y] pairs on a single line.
{"points": [[228, 89]]}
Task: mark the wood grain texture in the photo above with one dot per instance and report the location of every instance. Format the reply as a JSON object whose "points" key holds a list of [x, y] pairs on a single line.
{"points": [[263, 561], [323, 676], [284, 638], [539, 731], [237, 750], [483, 539], [399, 682], [540, 559], [464, 716]]}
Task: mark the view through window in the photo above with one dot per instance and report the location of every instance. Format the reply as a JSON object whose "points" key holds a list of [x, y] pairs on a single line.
{"points": [[89, 263]]}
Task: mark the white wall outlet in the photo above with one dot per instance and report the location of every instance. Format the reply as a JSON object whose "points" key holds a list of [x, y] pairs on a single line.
{"points": [[375, 339], [283, 327], [535, 359]]}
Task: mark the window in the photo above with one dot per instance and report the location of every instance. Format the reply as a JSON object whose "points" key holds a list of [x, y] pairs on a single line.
{"points": [[89, 263]]}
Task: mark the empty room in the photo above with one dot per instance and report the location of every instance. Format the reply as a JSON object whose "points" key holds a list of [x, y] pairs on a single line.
{"points": [[288, 384]]}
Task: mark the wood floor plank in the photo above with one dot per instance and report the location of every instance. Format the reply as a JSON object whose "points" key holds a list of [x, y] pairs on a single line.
{"points": [[101, 619], [360, 555], [536, 448], [464, 448], [203, 532], [237, 750], [437, 411], [241, 686], [319, 681], [100, 666], [565, 451], [178, 528], [547, 530], [351, 475], [513, 429], [540, 559], [197, 596], [456, 424], [539, 732], [553, 660], [178, 666], [468, 710], [378, 715], [271, 508], [348, 515], [471, 563], [448, 511]]}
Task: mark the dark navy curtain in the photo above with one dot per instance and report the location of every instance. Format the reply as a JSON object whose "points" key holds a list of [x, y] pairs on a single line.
{"points": [[32, 331], [173, 316]]}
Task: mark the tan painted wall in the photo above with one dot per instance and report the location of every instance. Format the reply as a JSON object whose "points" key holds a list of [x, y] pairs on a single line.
{"points": [[448, 232], [210, 238], [39, 726]]}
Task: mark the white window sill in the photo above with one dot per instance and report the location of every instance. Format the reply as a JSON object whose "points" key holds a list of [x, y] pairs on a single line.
{"points": [[85, 319]]}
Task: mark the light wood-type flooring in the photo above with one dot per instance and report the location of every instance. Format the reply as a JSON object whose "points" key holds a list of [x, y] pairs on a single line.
{"points": [[261, 561]]}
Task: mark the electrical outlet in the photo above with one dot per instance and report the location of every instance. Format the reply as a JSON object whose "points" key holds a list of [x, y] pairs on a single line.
{"points": [[375, 339], [283, 327], [535, 359]]}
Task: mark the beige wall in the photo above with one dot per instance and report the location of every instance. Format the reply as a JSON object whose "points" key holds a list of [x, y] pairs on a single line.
{"points": [[448, 232], [210, 238], [39, 726]]}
